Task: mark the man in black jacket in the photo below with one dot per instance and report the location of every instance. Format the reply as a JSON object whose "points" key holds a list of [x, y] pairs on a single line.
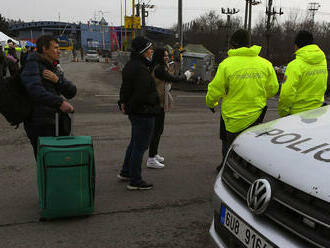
{"points": [[45, 85], [139, 99]]}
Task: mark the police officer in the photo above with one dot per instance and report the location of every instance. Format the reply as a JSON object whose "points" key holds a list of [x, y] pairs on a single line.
{"points": [[244, 81], [305, 78]]}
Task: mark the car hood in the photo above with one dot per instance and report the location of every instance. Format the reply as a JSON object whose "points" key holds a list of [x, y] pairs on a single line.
{"points": [[293, 149]]}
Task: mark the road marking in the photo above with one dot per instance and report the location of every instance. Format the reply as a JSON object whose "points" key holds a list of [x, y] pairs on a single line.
{"points": [[106, 105], [115, 95]]}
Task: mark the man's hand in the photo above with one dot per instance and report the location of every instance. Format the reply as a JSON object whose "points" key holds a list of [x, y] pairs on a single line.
{"points": [[212, 110], [188, 74], [122, 107], [51, 76], [66, 107]]}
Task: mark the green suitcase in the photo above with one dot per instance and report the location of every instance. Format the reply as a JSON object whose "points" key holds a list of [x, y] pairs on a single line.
{"points": [[66, 176]]}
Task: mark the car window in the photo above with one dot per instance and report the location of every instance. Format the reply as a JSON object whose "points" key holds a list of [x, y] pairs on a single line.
{"points": [[92, 52]]}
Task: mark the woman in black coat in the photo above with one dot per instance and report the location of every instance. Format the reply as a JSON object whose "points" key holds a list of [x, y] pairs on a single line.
{"points": [[162, 79]]}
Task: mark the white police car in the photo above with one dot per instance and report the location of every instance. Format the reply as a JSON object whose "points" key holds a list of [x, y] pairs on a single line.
{"points": [[274, 190]]}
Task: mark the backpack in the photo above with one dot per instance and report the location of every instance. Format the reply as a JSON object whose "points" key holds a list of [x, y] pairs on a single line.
{"points": [[15, 104]]}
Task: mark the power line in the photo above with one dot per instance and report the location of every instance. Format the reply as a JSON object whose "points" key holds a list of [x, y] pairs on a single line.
{"points": [[229, 13], [271, 16], [313, 7], [248, 13]]}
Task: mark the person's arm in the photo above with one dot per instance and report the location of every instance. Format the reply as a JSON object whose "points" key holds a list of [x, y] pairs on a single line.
{"points": [[272, 83], [162, 74], [288, 91], [18, 49], [126, 88], [66, 87], [217, 88], [32, 81]]}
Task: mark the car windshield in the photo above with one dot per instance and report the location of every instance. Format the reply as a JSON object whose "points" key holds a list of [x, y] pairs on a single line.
{"points": [[92, 52]]}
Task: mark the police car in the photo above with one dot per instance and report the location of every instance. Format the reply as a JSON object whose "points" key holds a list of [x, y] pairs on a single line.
{"points": [[274, 190]]}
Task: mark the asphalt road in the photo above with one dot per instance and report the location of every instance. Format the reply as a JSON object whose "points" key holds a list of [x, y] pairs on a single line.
{"points": [[176, 213]]}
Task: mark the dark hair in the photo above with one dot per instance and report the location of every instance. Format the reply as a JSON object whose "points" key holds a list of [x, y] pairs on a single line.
{"points": [[158, 57], [44, 41], [8, 41], [240, 38], [304, 38]]}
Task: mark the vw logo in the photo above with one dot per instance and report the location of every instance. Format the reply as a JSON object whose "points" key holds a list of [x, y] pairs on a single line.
{"points": [[258, 196]]}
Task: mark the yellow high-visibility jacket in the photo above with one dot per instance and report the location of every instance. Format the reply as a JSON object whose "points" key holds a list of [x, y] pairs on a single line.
{"points": [[6, 49], [305, 81], [18, 49], [244, 81]]}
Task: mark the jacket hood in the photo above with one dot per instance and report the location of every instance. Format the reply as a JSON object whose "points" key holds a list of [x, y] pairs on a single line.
{"points": [[310, 54], [245, 51]]}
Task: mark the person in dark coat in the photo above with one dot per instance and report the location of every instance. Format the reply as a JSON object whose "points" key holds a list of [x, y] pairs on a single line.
{"points": [[140, 101], [24, 54], [46, 85]]}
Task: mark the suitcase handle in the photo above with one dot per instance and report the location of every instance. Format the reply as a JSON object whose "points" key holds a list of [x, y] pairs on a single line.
{"points": [[57, 123], [65, 138]]}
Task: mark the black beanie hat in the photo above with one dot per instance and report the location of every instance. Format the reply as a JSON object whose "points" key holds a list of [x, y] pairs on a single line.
{"points": [[304, 38], [141, 44], [240, 38]]}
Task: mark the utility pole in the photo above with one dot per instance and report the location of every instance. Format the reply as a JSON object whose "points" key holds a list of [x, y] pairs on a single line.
{"points": [[246, 14], [251, 3], [141, 11], [138, 6], [126, 42], [121, 25], [180, 33], [229, 13], [271, 13], [145, 13], [133, 16], [313, 7]]}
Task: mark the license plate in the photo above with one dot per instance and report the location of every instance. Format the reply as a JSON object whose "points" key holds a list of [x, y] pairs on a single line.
{"points": [[243, 232]]}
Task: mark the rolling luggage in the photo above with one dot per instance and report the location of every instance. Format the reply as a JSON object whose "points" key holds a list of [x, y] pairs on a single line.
{"points": [[66, 175]]}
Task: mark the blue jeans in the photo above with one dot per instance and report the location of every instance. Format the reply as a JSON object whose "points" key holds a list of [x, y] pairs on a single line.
{"points": [[142, 129]]}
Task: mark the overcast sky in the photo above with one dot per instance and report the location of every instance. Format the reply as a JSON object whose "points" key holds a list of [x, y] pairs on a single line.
{"points": [[163, 15]]}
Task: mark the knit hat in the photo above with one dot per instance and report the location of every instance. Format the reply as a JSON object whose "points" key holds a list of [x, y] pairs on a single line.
{"points": [[303, 38], [141, 44], [240, 38]]}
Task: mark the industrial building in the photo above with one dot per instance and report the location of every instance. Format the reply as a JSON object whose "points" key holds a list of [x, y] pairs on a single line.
{"points": [[93, 34]]}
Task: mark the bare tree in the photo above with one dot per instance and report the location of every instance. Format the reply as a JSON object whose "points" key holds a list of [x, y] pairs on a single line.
{"points": [[210, 30]]}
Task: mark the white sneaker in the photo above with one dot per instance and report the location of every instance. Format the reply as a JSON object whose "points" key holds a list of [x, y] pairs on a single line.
{"points": [[159, 158], [154, 163]]}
